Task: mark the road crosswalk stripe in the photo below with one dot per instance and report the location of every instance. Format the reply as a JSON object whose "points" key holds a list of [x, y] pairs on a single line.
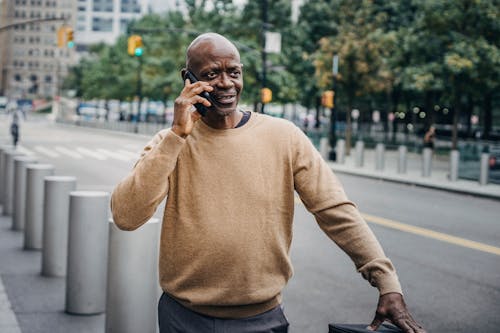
{"points": [[70, 153], [46, 152], [26, 151], [115, 155], [132, 155], [91, 153]]}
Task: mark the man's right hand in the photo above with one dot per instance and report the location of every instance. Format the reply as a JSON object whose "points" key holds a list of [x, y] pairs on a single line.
{"points": [[184, 117]]}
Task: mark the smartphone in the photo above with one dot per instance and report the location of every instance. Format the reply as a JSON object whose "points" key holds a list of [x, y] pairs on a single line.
{"points": [[202, 109]]}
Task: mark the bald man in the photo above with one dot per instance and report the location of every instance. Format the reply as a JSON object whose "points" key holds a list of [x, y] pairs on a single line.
{"points": [[229, 179]]}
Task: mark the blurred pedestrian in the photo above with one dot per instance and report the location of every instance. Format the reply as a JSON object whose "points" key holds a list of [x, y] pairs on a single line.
{"points": [[229, 179], [15, 115], [429, 137]]}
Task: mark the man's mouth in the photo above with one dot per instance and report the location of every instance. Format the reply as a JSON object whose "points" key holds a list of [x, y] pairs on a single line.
{"points": [[224, 99]]}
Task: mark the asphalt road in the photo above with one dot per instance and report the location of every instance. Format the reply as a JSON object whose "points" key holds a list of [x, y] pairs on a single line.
{"points": [[448, 287]]}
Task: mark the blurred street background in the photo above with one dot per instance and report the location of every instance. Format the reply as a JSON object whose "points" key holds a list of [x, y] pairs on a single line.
{"points": [[90, 82]]}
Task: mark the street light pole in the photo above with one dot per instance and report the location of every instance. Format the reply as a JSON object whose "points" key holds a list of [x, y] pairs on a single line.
{"points": [[333, 114], [263, 52], [138, 93]]}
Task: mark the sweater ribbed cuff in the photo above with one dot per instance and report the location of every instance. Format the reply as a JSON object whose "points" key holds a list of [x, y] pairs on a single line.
{"points": [[388, 283]]}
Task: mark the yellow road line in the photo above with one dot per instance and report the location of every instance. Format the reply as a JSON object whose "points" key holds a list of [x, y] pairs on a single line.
{"points": [[432, 234]]}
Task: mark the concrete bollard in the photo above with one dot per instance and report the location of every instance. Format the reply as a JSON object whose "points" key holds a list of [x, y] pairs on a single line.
{"points": [[132, 293], [379, 156], [485, 168], [324, 148], [340, 149], [55, 224], [19, 204], [9, 181], [33, 228], [3, 148], [402, 159], [454, 161], [426, 162], [87, 252], [360, 152]]}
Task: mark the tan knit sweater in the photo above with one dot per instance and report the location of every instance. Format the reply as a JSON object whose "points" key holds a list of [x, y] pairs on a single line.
{"points": [[227, 224]]}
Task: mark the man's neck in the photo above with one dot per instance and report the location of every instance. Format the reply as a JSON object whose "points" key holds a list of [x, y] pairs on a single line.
{"points": [[223, 122]]}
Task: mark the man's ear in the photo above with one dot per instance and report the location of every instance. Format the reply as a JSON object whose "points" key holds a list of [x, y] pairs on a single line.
{"points": [[183, 74]]}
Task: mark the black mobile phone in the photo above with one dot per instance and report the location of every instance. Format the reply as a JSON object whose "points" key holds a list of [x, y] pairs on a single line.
{"points": [[202, 109]]}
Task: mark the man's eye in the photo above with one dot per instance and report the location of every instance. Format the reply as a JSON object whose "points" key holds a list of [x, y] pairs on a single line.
{"points": [[211, 75], [235, 73]]}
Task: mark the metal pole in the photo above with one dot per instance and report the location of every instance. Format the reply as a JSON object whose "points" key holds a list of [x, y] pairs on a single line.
{"points": [[426, 162], [33, 228], [333, 112], [55, 224], [87, 252], [9, 181], [139, 93], [3, 148], [19, 204], [402, 160], [263, 52], [379, 156], [360, 151], [454, 162], [132, 292], [484, 172]]}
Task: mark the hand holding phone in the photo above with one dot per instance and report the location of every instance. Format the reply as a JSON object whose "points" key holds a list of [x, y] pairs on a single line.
{"points": [[202, 109]]}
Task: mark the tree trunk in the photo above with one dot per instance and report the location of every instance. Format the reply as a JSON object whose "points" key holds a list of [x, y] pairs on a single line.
{"points": [[488, 112]]}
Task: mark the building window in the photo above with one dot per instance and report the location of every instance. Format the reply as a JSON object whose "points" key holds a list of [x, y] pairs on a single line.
{"points": [[130, 6], [103, 6], [124, 25], [102, 24], [17, 77], [48, 78]]}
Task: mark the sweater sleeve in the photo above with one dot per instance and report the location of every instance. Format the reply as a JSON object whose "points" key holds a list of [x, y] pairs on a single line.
{"points": [[324, 196], [136, 197]]}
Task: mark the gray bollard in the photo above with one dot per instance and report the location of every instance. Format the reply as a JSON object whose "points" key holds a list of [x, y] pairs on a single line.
{"points": [[340, 150], [132, 293], [87, 252], [454, 161], [324, 148], [8, 197], [485, 168], [55, 224], [360, 152], [426, 162], [19, 204], [33, 227], [379, 156], [3, 149], [402, 159]]}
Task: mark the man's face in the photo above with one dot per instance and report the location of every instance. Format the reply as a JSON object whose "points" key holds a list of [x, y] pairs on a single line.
{"points": [[218, 63]]}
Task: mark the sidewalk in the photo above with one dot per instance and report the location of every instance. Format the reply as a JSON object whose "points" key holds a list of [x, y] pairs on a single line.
{"points": [[437, 180], [30, 301]]}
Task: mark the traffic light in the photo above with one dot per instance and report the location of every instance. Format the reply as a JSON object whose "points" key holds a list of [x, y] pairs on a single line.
{"points": [[61, 37], [135, 46], [69, 38], [327, 99], [266, 95]]}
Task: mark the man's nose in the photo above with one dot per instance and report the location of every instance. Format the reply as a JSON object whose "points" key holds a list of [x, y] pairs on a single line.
{"points": [[225, 81]]}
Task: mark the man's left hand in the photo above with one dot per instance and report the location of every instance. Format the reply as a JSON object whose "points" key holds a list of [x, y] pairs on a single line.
{"points": [[392, 307]]}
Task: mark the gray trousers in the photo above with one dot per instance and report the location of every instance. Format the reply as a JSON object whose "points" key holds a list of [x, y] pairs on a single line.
{"points": [[175, 318]]}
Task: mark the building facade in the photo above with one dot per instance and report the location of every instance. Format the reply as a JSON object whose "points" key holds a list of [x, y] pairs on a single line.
{"points": [[32, 63], [104, 20]]}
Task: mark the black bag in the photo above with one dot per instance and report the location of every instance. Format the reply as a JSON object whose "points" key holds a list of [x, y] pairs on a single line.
{"points": [[360, 328]]}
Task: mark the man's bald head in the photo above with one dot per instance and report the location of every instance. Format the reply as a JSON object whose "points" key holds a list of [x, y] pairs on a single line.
{"points": [[208, 42]]}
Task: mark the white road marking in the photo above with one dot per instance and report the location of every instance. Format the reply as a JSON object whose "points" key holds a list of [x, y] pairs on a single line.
{"points": [[70, 153], [132, 155], [112, 154], [46, 151], [91, 153], [25, 151]]}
